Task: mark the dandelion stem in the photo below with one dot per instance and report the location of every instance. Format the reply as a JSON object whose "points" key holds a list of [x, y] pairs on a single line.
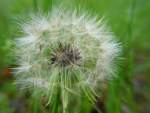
{"points": [[36, 105], [56, 103]]}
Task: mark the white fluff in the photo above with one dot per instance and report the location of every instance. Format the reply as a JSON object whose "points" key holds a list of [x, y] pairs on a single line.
{"points": [[96, 44]]}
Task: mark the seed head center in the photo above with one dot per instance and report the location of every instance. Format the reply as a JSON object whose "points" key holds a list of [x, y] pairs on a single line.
{"points": [[65, 55]]}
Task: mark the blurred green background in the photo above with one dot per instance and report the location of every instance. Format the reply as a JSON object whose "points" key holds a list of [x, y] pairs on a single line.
{"points": [[130, 22]]}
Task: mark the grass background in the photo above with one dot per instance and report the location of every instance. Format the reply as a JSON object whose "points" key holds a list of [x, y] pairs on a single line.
{"points": [[130, 22]]}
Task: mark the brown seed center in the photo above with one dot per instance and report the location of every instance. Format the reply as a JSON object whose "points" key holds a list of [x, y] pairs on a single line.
{"points": [[65, 55]]}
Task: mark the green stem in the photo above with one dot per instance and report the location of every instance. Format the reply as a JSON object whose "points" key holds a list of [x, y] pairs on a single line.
{"points": [[55, 106], [36, 105]]}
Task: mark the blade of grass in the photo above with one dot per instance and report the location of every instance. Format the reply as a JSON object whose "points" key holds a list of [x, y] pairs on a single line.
{"points": [[35, 5], [128, 54], [129, 49], [47, 5]]}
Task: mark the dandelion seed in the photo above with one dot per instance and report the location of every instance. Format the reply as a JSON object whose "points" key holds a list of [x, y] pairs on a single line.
{"points": [[65, 55], [69, 54]]}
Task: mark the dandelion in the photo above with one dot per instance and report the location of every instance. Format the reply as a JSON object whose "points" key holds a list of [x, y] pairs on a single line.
{"points": [[65, 56]]}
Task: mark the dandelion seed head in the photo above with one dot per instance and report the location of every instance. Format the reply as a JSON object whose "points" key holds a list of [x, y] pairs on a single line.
{"points": [[66, 51]]}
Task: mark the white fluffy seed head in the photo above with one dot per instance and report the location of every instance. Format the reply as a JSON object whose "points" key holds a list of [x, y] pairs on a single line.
{"points": [[65, 51]]}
